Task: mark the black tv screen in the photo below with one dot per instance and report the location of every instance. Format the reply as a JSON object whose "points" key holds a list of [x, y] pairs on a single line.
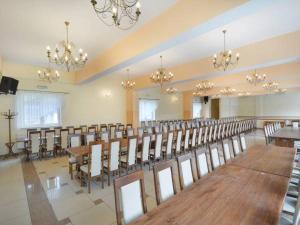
{"points": [[8, 85]]}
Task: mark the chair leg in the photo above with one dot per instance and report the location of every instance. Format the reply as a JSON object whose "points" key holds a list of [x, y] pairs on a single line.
{"points": [[89, 185], [108, 174], [102, 181], [71, 170], [81, 179]]}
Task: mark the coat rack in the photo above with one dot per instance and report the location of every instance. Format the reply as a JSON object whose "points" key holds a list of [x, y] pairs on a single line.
{"points": [[9, 116]]}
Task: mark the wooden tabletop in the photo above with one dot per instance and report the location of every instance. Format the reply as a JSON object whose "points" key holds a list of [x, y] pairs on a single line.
{"points": [[230, 195], [287, 133], [267, 158]]}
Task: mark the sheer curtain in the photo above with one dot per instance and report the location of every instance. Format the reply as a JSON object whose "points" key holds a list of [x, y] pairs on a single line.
{"points": [[38, 109], [147, 109], [197, 109]]}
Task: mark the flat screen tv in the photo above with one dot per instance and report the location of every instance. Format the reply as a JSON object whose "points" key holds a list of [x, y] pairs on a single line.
{"points": [[8, 85]]}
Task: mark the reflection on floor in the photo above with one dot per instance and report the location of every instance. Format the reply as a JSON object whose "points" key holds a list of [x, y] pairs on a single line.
{"points": [[41, 192]]}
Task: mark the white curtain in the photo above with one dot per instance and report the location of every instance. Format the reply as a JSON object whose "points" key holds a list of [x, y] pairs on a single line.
{"points": [[38, 109], [197, 109], [147, 109]]}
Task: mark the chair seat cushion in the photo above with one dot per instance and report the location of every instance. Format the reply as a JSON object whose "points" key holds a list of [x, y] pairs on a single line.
{"points": [[72, 160], [123, 158], [105, 163], [139, 155], [84, 168], [152, 151]]}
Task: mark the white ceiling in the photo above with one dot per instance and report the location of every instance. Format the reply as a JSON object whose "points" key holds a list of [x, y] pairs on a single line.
{"points": [[281, 17], [28, 26]]}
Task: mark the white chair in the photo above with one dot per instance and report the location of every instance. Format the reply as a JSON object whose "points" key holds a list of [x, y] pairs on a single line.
{"points": [[215, 156], [167, 150], [104, 136], [226, 150], [164, 181], [64, 133], [236, 146], [295, 124], [177, 149], [201, 162], [89, 137], [243, 142], [74, 141], [129, 160], [130, 132], [130, 197], [119, 134], [193, 141], [185, 168], [34, 143], [111, 165], [143, 156], [71, 129], [155, 154], [199, 138], [50, 141], [94, 167], [140, 132], [186, 140]]}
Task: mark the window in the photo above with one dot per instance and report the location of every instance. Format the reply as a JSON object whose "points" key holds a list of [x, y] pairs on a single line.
{"points": [[196, 109], [37, 109], [147, 108]]}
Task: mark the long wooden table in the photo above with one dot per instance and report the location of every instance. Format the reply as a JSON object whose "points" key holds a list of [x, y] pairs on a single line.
{"points": [[236, 193], [286, 136]]}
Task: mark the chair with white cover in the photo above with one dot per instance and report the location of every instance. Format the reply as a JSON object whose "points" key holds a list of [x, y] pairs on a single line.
{"points": [[200, 137], [143, 156], [130, 197], [71, 129], [94, 168], [193, 140], [226, 150], [111, 165], [186, 171], [43, 131], [112, 129], [104, 136], [74, 141], [164, 181], [177, 148], [57, 130], [89, 137], [155, 153], [103, 128], [128, 161], [167, 149], [50, 146], [266, 132], [83, 128], [92, 129], [119, 134], [214, 156], [130, 132], [34, 146], [290, 211], [236, 145], [63, 143], [140, 132], [201, 162], [243, 142], [186, 140], [205, 139], [295, 124]]}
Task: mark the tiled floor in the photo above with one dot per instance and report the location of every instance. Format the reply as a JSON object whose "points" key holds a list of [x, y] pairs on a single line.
{"points": [[47, 190]]}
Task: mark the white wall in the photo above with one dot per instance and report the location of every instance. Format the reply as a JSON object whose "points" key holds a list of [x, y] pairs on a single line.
{"points": [[100, 101], [275, 105], [169, 107]]}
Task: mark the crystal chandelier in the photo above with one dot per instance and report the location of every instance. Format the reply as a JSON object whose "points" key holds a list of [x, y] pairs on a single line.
{"points": [[128, 84], [280, 90], [270, 86], [225, 57], [48, 75], [204, 86], [198, 93], [121, 13], [255, 78], [227, 91], [171, 90], [161, 76], [244, 94], [67, 58]]}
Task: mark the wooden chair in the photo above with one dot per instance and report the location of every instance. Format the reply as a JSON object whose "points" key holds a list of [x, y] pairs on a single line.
{"points": [[71, 129], [63, 143], [205, 137], [177, 148], [112, 129], [167, 149], [200, 137], [164, 180], [155, 153], [78, 130], [186, 140], [89, 137], [104, 136], [94, 168], [143, 156], [92, 129], [30, 130], [49, 146], [34, 147], [74, 141], [43, 131], [128, 161], [130, 132], [214, 156], [193, 140], [118, 134], [103, 128], [236, 145], [111, 165], [96, 127], [243, 142], [201, 162], [130, 197], [210, 134], [83, 128], [57, 130], [266, 133], [185, 169], [226, 150], [140, 132]]}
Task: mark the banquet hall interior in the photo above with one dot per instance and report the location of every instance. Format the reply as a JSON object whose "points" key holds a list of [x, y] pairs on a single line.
{"points": [[153, 112]]}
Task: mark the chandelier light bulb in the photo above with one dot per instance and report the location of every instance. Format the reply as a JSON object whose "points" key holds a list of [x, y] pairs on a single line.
{"points": [[138, 5]]}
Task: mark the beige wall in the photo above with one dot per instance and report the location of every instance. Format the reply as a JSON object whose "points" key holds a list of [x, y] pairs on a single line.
{"points": [[101, 101], [275, 105]]}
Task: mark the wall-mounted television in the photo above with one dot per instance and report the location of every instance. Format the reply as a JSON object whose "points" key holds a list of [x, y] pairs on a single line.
{"points": [[8, 85]]}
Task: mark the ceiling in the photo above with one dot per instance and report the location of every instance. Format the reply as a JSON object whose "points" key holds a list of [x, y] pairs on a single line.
{"points": [[27, 27]]}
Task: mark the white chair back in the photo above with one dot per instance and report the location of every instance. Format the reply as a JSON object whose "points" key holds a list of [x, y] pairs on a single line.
{"points": [[178, 141], [90, 137], [295, 124], [35, 142], [236, 146], [132, 151], [169, 143], [202, 163], [131, 201], [166, 184], [75, 141], [158, 144], [186, 139], [140, 131], [200, 133], [243, 142], [119, 134], [194, 137], [146, 146], [226, 150], [104, 136], [64, 139], [96, 161], [50, 145], [187, 173], [114, 155], [130, 132], [215, 158]]}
